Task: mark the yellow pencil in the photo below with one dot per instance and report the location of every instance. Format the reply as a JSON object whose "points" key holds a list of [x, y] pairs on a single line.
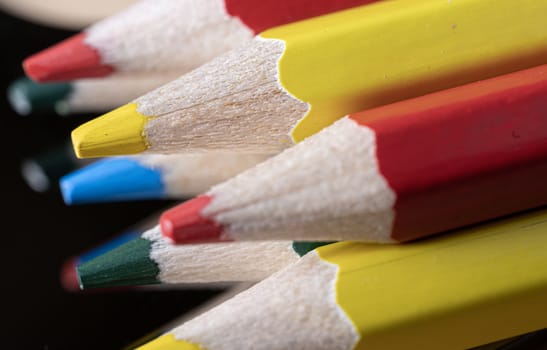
{"points": [[293, 80], [476, 286]]}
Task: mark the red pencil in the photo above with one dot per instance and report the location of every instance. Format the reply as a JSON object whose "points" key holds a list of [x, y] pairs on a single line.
{"points": [[390, 174], [169, 35]]}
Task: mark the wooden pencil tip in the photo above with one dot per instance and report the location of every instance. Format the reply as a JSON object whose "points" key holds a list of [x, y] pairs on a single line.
{"points": [[68, 60], [119, 132], [185, 224]]}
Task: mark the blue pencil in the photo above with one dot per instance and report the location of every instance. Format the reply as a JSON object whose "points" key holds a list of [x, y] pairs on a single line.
{"points": [[147, 177]]}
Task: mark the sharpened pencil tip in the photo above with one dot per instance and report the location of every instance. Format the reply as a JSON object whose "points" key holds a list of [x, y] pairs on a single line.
{"points": [[119, 132], [110, 180], [169, 342], [126, 265], [68, 60], [185, 224]]}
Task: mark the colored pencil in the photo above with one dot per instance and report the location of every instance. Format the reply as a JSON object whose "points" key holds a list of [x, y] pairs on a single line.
{"points": [[158, 35], [69, 276], [390, 174], [43, 170], [146, 177], [152, 259], [293, 80], [28, 97], [455, 291]]}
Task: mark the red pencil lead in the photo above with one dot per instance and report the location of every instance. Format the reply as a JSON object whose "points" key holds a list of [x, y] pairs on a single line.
{"points": [[70, 59], [69, 277], [185, 223]]}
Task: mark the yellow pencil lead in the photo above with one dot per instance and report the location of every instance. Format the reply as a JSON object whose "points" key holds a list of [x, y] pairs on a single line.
{"points": [[119, 132]]}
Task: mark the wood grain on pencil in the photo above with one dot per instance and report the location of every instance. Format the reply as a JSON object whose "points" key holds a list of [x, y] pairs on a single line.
{"points": [[160, 35], [150, 258], [293, 80], [456, 291], [390, 174]]}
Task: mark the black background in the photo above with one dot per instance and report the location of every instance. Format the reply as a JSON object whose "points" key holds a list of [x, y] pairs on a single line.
{"points": [[40, 232]]}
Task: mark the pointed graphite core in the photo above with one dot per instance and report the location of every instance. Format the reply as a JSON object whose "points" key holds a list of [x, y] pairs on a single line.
{"points": [[68, 60], [112, 179], [126, 265], [28, 97], [119, 132], [185, 224]]}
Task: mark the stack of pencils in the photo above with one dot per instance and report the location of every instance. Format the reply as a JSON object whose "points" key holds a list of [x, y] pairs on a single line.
{"points": [[375, 169]]}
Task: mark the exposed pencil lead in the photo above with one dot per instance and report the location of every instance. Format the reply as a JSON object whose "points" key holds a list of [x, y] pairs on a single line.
{"points": [[67, 60], [112, 179], [185, 223], [119, 132], [118, 268]]}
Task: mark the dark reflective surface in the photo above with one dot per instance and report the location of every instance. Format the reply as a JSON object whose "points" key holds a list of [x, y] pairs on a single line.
{"points": [[40, 233]]}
